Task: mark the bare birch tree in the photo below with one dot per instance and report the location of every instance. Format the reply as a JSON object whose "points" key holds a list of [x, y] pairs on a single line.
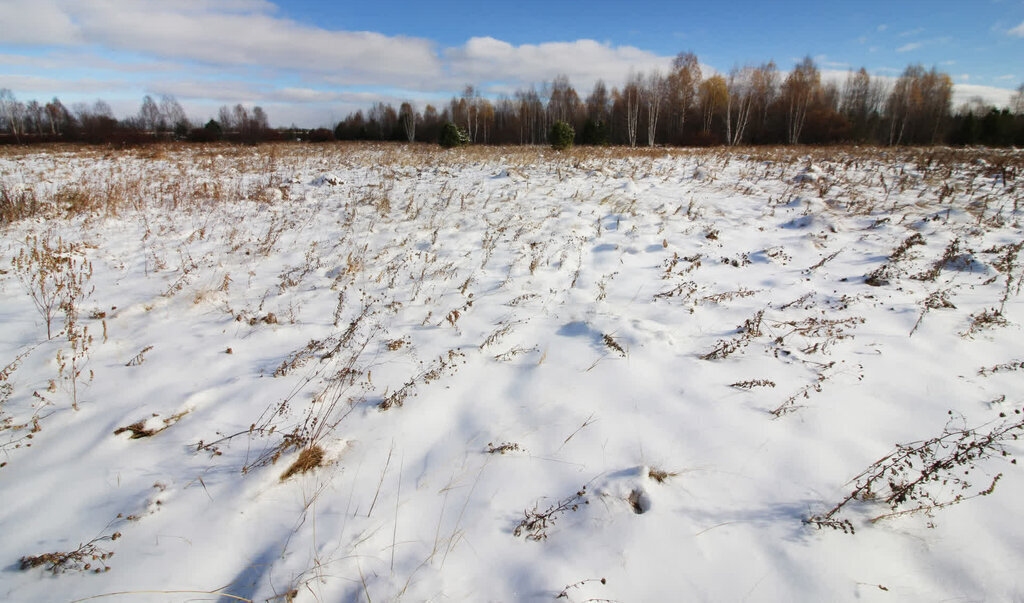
{"points": [[260, 120], [712, 94], [1017, 101], [530, 111], [918, 105], [226, 119], [683, 83], [149, 114], [738, 103], [34, 117], [800, 90], [632, 94], [171, 112], [653, 94], [407, 115], [765, 84], [471, 111], [10, 113], [55, 115]]}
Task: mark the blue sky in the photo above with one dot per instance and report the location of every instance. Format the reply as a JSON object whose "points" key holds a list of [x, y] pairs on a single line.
{"points": [[312, 61]]}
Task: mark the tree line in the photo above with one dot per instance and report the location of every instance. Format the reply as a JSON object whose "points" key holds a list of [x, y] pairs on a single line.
{"points": [[156, 121], [753, 104]]}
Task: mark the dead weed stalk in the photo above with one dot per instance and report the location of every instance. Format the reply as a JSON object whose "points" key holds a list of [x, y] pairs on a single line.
{"points": [[927, 475]]}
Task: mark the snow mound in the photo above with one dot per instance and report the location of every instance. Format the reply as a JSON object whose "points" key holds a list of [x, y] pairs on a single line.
{"points": [[328, 180], [811, 173], [629, 489], [510, 173]]}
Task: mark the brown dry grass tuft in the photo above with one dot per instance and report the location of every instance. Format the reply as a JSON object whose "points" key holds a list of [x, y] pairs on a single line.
{"points": [[309, 459], [139, 430], [659, 475], [17, 204], [613, 345]]}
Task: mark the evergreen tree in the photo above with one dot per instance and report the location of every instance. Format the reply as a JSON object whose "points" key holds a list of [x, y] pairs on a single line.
{"points": [[561, 136]]}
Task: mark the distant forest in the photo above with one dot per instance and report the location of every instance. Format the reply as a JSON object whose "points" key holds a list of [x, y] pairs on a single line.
{"points": [[750, 105]]}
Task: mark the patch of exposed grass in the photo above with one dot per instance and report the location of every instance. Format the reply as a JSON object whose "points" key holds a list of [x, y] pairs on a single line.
{"points": [[309, 459]]}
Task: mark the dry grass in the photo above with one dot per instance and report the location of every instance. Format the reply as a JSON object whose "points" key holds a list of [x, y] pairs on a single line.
{"points": [[990, 318], [213, 173], [502, 448], [87, 557], [139, 429], [309, 459], [752, 383], [535, 523], [613, 345], [660, 475], [140, 357], [17, 204], [932, 474], [55, 274], [882, 193]]}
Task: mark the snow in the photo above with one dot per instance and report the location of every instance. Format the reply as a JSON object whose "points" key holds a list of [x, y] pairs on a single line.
{"points": [[475, 334]]}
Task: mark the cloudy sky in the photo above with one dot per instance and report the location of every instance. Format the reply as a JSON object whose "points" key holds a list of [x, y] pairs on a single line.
{"points": [[312, 61]]}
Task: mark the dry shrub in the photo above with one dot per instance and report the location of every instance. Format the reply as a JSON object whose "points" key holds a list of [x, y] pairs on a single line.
{"points": [[928, 475], [54, 275], [989, 318], [80, 559], [535, 523]]}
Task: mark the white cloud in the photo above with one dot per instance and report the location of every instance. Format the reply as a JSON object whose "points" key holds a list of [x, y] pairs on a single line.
{"points": [[990, 95], [312, 95], [227, 6], [35, 22], [943, 41], [20, 60], [232, 92], [232, 33], [227, 91], [80, 60], [1017, 31], [882, 27], [583, 61], [27, 86]]}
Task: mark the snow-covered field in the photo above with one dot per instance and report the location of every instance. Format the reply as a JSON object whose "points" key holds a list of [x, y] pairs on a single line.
{"points": [[355, 372]]}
